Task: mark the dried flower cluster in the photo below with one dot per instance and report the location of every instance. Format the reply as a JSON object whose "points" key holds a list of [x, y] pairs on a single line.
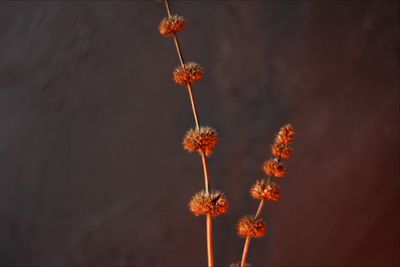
{"points": [[250, 226], [285, 136], [281, 151], [171, 25], [261, 190], [214, 203], [274, 167], [188, 73], [202, 140]]}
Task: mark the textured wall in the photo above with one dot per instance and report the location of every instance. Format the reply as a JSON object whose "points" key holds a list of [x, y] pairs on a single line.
{"points": [[91, 168]]}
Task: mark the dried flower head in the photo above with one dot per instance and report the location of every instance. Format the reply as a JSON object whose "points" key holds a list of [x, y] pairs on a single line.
{"points": [[202, 140], [249, 226], [261, 190], [285, 135], [214, 203], [171, 25], [274, 167], [281, 151], [188, 73]]}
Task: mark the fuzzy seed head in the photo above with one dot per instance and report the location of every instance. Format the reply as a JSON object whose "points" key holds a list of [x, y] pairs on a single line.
{"points": [[202, 140], [249, 226], [188, 73], [285, 135], [171, 25], [261, 190], [274, 167], [214, 203], [281, 151]]}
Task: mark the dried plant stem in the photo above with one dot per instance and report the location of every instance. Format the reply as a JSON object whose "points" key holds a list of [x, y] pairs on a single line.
{"points": [[189, 86], [194, 109], [203, 156], [167, 7], [210, 241], [178, 49], [205, 170], [265, 190], [260, 208], [245, 251]]}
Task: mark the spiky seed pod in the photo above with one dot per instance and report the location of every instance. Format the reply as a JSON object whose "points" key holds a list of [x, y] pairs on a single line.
{"points": [[249, 226], [188, 73], [214, 203], [171, 25], [202, 140], [261, 190], [274, 167], [281, 151], [285, 135]]}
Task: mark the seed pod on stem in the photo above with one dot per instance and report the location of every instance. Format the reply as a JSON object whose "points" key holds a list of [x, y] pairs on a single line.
{"points": [[202, 140], [171, 25]]}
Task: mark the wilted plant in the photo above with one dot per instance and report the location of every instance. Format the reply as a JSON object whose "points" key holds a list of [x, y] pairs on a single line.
{"points": [[203, 139]]}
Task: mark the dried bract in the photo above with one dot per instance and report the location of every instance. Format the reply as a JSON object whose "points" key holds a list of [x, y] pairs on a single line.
{"points": [[188, 73], [171, 25], [249, 226], [202, 140], [274, 167], [214, 203]]}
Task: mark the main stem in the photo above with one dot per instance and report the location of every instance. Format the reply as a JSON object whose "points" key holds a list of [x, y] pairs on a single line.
{"points": [[203, 157]]}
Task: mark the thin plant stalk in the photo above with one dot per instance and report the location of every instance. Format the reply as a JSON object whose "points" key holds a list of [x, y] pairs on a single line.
{"points": [[209, 234], [245, 251], [210, 240]]}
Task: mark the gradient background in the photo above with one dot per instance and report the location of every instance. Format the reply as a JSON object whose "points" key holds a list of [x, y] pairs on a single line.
{"points": [[91, 168]]}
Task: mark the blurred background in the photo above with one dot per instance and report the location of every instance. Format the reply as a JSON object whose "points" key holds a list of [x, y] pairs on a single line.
{"points": [[92, 172]]}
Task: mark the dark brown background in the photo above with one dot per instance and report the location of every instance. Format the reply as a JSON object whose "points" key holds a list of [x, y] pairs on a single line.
{"points": [[91, 168]]}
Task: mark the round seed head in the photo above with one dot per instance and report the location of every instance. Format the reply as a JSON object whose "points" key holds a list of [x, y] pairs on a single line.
{"points": [[188, 73], [261, 190], [281, 151], [202, 140], [214, 203], [274, 167], [171, 25], [285, 135], [249, 226]]}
